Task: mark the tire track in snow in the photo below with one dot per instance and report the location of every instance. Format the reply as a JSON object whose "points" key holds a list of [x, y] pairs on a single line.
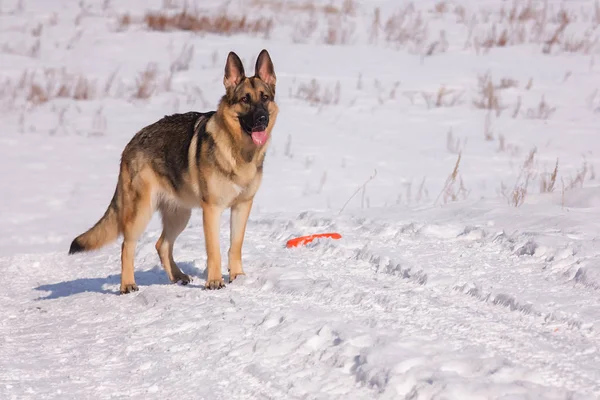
{"points": [[521, 337]]}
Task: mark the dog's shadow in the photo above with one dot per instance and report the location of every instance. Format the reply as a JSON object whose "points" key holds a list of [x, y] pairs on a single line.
{"points": [[154, 276]]}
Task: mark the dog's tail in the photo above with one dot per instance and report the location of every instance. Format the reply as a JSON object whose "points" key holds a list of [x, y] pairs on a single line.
{"points": [[105, 231]]}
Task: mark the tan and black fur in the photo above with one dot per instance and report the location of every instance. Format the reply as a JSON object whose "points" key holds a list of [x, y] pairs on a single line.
{"points": [[183, 161]]}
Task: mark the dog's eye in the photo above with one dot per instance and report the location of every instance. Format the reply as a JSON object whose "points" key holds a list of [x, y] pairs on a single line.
{"points": [[264, 97], [245, 99]]}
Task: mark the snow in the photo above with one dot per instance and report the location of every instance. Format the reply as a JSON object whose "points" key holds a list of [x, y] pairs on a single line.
{"points": [[431, 293]]}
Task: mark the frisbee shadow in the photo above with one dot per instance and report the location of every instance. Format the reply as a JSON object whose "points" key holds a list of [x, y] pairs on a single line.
{"points": [[110, 283]]}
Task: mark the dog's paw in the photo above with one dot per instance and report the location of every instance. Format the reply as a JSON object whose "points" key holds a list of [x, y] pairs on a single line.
{"points": [[183, 279], [131, 287], [233, 275], [215, 284]]}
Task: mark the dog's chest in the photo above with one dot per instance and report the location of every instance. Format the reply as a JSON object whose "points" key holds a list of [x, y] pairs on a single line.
{"points": [[226, 191]]}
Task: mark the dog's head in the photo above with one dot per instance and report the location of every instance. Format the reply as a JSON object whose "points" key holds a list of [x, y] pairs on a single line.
{"points": [[250, 101]]}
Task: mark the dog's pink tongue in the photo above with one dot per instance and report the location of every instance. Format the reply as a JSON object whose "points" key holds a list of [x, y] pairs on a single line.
{"points": [[259, 137]]}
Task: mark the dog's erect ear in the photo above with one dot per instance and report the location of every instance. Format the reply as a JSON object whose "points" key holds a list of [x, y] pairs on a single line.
{"points": [[234, 71], [264, 68]]}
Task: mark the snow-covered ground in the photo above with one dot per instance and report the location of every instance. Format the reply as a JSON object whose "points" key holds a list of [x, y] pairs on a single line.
{"points": [[483, 284]]}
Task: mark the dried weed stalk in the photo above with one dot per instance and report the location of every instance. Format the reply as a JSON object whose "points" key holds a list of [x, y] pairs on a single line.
{"points": [[542, 111], [443, 98], [454, 188], [548, 180], [314, 94], [488, 94], [517, 194]]}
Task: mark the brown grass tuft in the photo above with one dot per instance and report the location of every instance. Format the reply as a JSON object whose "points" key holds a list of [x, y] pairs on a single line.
{"points": [[37, 95], [146, 82], [516, 196], [454, 188], [441, 7], [42, 86], [488, 132], [183, 60], [338, 32], [548, 181], [442, 98], [577, 181], [489, 96], [222, 24], [543, 111], [124, 21], [406, 27], [316, 95], [348, 7]]}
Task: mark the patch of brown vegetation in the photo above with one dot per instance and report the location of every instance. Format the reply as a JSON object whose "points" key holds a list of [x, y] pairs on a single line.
{"points": [[317, 95], [516, 195], [488, 94], [348, 7], [195, 21], [454, 188]]}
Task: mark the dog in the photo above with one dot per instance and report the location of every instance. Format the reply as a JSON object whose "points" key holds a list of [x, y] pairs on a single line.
{"points": [[211, 160]]}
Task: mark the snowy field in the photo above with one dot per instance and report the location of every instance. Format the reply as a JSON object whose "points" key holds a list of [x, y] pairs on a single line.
{"points": [[452, 144]]}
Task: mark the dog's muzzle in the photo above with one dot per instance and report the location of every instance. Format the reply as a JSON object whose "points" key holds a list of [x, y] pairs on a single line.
{"points": [[255, 124]]}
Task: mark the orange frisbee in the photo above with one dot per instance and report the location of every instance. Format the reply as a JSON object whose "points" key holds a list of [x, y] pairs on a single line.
{"points": [[303, 240]]}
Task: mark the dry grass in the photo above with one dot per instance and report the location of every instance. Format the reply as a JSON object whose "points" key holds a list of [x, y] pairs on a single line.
{"points": [[443, 97], [548, 180], [149, 81], [533, 22], [438, 46], [304, 30], [195, 21], [38, 88], [454, 188], [516, 195], [542, 111], [405, 28], [506, 83], [338, 32], [145, 82], [362, 188], [32, 50], [556, 37], [124, 21], [421, 195], [35, 88], [580, 175], [348, 7], [454, 145], [515, 113], [495, 39], [441, 7], [488, 94], [317, 95], [183, 60], [593, 101], [552, 28], [488, 133], [99, 123]]}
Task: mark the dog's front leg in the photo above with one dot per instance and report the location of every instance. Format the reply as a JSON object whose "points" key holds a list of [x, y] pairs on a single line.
{"points": [[239, 217], [211, 216]]}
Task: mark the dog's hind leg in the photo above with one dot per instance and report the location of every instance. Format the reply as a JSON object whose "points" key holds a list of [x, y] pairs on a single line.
{"points": [[174, 222], [135, 209]]}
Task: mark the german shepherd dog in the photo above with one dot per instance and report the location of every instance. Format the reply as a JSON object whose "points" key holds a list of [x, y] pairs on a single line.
{"points": [[211, 160]]}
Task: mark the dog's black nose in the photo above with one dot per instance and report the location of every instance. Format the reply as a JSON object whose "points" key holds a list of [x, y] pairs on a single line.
{"points": [[262, 120]]}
